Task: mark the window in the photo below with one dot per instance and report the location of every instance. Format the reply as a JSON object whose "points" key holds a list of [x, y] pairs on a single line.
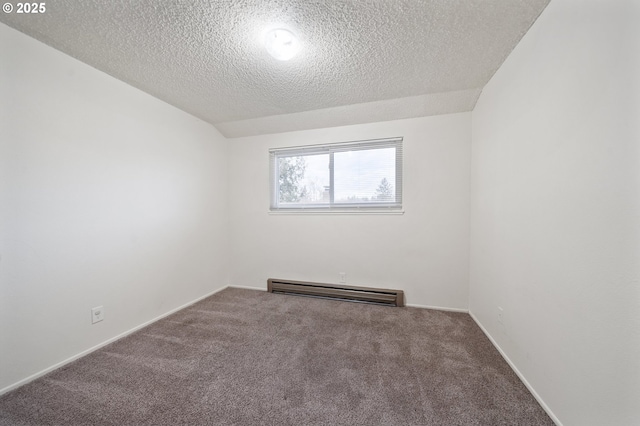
{"points": [[350, 176]]}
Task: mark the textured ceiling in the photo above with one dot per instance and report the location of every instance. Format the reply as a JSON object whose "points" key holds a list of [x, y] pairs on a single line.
{"points": [[360, 60]]}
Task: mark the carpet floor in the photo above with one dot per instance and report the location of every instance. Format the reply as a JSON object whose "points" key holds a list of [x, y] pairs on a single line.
{"points": [[247, 357]]}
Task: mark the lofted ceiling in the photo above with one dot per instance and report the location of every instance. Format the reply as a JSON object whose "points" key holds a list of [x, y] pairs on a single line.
{"points": [[360, 60]]}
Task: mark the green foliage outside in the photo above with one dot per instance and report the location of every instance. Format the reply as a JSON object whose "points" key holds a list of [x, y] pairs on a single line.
{"points": [[291, 175], [384, 191]]}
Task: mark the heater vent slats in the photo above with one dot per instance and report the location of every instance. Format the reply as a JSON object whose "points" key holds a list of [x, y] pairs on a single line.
{"points": [[351, 293]]}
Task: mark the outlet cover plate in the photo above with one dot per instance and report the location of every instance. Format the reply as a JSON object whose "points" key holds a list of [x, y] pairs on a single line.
{"points": [[97, 314]]}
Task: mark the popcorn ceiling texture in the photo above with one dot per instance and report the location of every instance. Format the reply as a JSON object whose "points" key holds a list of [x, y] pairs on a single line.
{"points": [[360, 60]]}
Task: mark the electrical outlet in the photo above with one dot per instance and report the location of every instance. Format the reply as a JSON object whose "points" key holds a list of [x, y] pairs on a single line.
{"points": [[343, 277], [97, 314], [500, 315]]}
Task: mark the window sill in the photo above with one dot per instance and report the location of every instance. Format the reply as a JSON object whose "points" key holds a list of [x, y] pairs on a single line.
{"points": [[336, 212]]}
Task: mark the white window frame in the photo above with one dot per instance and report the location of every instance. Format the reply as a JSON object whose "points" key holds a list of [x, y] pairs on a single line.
{"points": [[392, 207]]}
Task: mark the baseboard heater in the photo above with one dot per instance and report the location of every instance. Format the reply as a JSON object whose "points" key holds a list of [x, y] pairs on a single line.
{"points": [[379, 296]]}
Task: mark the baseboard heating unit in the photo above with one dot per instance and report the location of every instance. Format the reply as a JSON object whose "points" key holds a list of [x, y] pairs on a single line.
{"points": [[379, 296]]}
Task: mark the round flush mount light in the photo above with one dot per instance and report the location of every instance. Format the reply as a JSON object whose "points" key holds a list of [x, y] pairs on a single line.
{"points": [[281, 44]]}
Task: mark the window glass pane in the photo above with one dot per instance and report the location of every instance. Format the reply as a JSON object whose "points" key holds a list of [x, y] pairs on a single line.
{"points": [[365, 176], [303, 179], [346, 176]]}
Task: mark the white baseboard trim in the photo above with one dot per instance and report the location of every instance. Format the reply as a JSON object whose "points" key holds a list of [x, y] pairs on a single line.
{"points": [[247, 287], [411, 305], [438, 308], [518, 373], [100, 345]]}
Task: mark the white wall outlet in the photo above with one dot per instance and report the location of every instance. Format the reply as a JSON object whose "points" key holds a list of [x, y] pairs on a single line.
{"points": [[343, 277], [97, 314], [500, 315]]}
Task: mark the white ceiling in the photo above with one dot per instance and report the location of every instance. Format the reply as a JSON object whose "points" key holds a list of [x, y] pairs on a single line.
{"points": [[361, 60]]}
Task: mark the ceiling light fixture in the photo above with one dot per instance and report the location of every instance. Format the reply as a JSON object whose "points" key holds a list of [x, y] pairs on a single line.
{"points": [[281, 44]]}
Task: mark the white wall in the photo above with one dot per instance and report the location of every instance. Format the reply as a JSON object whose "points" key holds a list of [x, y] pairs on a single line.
{"points": [[556, 210], [107, 197], [424, 251]]}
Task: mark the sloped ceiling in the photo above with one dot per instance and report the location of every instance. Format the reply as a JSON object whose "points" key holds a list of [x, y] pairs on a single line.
{"points": [[360, 60]]}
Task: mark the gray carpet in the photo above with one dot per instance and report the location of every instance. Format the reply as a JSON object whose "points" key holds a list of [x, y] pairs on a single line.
{"points": [[244, 357]]}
